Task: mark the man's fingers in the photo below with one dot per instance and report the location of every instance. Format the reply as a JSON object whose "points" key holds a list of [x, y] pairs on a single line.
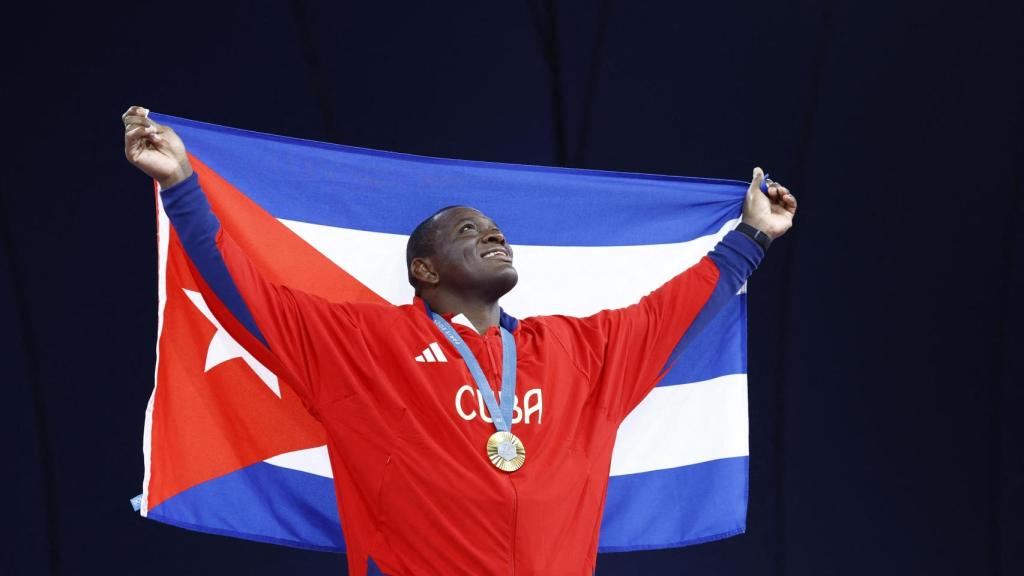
{"points": [[133, 135], [135, 111], [147, 130], [135, 143], [787, 201], [779, 194], [136, 115], [135, 132], [784, 193], [133, 121], [776, 190]]}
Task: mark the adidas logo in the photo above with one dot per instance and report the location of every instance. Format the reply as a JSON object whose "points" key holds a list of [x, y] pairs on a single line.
{"points": [[432, 353]]}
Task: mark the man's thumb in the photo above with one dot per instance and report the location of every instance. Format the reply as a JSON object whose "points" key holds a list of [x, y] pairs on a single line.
{"points": [[755, 182]]}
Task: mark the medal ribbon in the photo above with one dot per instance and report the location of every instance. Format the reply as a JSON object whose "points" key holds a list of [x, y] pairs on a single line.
{"points": [[500, 415]]}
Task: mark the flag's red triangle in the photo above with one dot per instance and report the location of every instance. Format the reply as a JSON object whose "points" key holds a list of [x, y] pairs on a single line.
{"points": [[281, 255], [207, 424]]}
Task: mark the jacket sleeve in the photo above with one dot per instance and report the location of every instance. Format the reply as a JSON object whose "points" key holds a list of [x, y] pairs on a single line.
{"points": [[626, 351], [278, 325]]}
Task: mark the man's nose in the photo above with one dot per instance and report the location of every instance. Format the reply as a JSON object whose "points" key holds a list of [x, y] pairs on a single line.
{"points": [[495, 237]]}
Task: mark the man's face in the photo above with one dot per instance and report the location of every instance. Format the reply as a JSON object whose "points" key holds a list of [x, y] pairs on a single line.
{"points": [[471, 255]]}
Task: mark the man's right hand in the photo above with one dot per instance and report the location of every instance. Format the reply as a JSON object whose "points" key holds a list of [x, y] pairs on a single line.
{"points": [[155, 149]]}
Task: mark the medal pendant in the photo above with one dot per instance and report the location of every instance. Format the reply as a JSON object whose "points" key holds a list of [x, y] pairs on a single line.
{"points": [[506, 451]]}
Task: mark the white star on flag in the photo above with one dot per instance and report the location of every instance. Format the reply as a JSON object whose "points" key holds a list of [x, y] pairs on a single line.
{"points": [[223, 347]]}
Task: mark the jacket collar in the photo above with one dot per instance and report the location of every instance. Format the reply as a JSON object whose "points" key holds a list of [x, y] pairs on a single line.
{"points": [[506, 321]]}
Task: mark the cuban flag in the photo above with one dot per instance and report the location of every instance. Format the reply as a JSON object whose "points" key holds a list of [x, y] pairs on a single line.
{"points": [[229, 448]]}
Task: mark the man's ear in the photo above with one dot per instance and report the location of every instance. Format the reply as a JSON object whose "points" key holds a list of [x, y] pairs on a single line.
{"points": [[422, 269]]}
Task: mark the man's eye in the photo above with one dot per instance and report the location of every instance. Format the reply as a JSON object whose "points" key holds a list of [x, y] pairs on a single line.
{"points": [[467, 227]]}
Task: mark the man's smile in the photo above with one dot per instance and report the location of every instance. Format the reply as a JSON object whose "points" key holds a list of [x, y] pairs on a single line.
{"points": [[498, 253]]}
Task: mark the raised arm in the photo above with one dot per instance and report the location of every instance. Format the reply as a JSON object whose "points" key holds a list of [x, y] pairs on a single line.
{"points": [[626, 351], [159, 152], [275, 323]]}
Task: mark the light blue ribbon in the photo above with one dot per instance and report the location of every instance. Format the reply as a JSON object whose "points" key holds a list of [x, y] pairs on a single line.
{"points": [[502, 416]]}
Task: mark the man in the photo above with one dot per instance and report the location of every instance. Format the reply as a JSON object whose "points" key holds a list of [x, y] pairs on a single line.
{"points": [[428, 480]]}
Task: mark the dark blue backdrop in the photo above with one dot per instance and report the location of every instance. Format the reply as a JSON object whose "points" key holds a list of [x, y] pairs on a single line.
{"points": [[885, 345]]}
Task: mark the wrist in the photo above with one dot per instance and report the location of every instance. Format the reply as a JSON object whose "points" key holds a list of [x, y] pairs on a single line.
{"points": [[760, 237], [177, 177]]}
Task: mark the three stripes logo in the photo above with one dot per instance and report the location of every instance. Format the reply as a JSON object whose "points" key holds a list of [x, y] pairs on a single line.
{"points": [[432, 353]]}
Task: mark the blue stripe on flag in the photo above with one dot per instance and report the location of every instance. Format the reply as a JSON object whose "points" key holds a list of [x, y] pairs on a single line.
{"points": [[390, 192], [675, 507], [261, 502], [719, 349]]}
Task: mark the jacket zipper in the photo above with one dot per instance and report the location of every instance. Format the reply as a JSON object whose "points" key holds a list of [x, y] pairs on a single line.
{"points": [[515, 521], [515, 493], [494, 374]]}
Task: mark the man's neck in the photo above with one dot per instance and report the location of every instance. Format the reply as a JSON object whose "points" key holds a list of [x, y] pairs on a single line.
{"points": [[482, 315]]}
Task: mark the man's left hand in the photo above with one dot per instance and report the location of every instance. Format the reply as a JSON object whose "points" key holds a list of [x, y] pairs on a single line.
{"points": [[770, 213]]}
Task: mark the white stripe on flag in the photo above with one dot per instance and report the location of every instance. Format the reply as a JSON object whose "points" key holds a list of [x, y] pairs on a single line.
{"points": [[570, 280], [708, 418], [163, 240], [682, 425], [311, 460]]}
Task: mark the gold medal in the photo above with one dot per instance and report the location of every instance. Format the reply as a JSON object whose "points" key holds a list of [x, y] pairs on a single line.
{"points": [[506, 451]]}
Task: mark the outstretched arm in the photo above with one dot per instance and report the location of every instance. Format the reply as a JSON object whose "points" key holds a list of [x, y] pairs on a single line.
{"points": [[626, 351], [274, 322], [159, 152], [766, 216]]}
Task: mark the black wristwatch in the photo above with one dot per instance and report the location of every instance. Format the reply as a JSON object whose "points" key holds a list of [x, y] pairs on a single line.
{"points": [[763, 240]]}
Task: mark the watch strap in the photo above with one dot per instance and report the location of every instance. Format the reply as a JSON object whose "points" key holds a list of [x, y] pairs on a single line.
{"points": [[763, 240]]}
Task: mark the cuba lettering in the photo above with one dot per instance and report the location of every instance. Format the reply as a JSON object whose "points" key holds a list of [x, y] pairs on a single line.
{"points": [[532, 406]]}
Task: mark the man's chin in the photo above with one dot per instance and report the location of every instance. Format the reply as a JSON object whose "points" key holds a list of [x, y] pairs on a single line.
{"points": [[504, 282]]}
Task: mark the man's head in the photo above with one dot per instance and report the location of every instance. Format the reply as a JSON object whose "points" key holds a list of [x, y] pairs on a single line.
{"points": [[460, 250]]}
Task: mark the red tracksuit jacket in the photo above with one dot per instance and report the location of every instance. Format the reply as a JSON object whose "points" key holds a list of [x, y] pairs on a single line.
{"points": [[416, 492]]}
